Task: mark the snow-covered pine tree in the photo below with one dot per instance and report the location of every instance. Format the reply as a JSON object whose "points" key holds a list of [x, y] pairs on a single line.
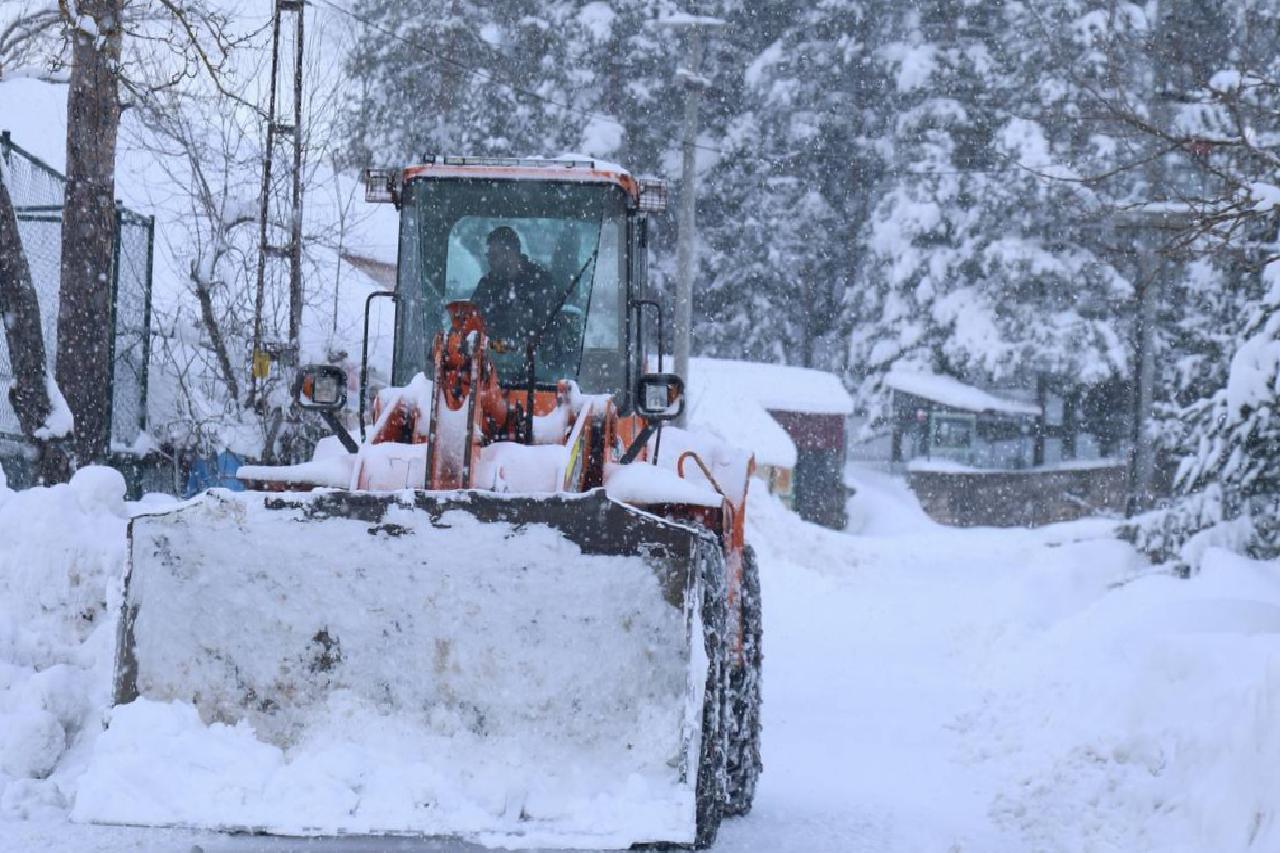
{"points": [[441, 77], [1211, 297], [791, 190], [911, 303], [985, 255], [526, 78], [1221, 328], [621, 81], [1231, 483], [1049, 259]]}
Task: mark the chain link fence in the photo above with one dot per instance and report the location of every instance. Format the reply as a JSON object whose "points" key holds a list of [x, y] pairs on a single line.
{"points": [[37, 191]]}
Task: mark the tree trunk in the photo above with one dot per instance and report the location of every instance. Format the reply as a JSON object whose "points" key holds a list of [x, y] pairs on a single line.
{"points": [[22, 331], [88, 228], [1070, 422], [205, 297], [24, 337]]}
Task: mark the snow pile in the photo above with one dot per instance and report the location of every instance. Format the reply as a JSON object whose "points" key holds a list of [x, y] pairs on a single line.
{"points": [[640, 483], [882, 504], [1145, 719], [330, 465], [775, 386], [985, 690], [370, 771], [417, 672], [59, 421], [508, 467], [60, 559], [742, 422]]}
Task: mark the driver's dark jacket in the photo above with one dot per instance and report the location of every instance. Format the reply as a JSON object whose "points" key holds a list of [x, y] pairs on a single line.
{"points": [[516, 308]]}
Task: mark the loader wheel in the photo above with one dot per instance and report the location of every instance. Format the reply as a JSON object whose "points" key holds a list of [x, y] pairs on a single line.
{"points": [[744, 762], [712, 784]]}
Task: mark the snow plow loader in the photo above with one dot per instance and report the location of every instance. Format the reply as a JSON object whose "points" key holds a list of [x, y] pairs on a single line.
{"points": [[519, 610]]}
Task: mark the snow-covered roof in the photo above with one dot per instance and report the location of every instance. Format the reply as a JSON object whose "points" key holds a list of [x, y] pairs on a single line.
{"points": [[740, 421], [778, 387], [950, 391], [733, 399]]}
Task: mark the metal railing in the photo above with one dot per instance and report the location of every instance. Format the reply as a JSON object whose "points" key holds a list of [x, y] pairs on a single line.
{"points": [[37, 191]]}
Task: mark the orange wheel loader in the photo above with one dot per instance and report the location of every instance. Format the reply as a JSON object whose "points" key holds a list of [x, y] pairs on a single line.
{"points": [[521, 602]]}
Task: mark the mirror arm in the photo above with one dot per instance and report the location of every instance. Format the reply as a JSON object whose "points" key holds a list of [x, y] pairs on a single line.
{"points": [[638, 444], [340, 431]]}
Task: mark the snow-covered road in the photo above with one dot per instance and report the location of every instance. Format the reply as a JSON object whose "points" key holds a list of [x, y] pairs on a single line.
{"points": [[875, 649], [930, 689]]}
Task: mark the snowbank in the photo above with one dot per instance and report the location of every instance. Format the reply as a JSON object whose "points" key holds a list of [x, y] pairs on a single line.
{"points": [[926, 688], [937, 689], [60, 562], [1145, 720]]}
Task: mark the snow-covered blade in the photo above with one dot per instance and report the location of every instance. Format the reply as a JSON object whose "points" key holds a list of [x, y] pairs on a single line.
{"points": [[504, 669]]}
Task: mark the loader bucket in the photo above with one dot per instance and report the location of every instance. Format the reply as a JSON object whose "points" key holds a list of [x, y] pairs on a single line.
{"points": [[508, 670]]}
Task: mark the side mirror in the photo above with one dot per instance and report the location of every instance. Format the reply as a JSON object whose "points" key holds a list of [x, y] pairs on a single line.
{"points": [[321, 388], [660, 396]]}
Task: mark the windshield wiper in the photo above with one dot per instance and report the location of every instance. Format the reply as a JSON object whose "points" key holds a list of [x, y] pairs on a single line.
{"points": [[530, 360]]}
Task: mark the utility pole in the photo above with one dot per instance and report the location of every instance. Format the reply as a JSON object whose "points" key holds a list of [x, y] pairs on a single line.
{"points": [[693, 83], [1142, 457], [1153, 267], [283, 240]]}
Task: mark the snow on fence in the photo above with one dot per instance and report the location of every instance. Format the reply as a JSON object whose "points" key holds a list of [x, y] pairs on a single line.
{"points": [[37, 191]]}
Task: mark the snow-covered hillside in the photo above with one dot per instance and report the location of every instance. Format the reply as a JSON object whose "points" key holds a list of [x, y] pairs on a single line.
{"points": [[926, 688]]}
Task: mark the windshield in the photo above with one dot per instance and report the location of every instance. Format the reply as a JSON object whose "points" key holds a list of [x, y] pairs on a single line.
{"points": [[538, 259]]}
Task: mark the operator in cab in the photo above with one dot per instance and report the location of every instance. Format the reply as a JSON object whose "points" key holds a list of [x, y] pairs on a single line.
{"points": [[516, 297]]}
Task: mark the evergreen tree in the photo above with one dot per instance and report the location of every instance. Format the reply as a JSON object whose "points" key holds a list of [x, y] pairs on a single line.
{"points": [[986, 259], [1231, 483], [914, 302], [441, 77], [790, 191], [1221, 322]]}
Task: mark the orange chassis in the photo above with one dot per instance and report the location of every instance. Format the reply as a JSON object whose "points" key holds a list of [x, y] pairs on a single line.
{"points": [[466, 386]]}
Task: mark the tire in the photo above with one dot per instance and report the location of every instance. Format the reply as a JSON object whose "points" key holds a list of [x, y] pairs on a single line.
{"points": [[744, 762], [712, 783]]}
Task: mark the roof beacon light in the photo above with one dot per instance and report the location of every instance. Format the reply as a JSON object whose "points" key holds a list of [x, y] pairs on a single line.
{"points": [[653, 194], [382, 186]]}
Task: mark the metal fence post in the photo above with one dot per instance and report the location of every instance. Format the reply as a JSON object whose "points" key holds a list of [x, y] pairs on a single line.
{"points": [[113, 319], [146, 323]]}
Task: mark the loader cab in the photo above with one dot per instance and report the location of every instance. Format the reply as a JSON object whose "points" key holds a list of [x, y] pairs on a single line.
{"points": [[580, 229]]}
